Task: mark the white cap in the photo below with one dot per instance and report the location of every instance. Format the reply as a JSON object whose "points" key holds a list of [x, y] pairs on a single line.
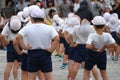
{"points": [[113, 20], [19, 15], [57, 19], [73, 21], [32, 8], [14, 17], [37, 13], [106, 16], [115, 15], [98, 20], [26, 12], [70, 14], [15, 24]]}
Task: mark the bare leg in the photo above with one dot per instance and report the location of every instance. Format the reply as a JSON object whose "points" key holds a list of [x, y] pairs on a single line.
{"points": [[8, 69], [86, 74], [70, 68], [95, 73], [24, 75], [48, 76], [75, 70], [41, 75], [15, 69], [117, 53], [32, 76], [104, 74]]}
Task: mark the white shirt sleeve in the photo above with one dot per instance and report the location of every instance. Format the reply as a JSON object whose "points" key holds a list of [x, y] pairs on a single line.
{"points": [[118, 29], [90, 39], [53, 33], [23, 31], [5, 30]]}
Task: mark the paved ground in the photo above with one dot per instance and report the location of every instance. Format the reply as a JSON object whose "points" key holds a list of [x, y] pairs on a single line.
{"points": [[113, 69]]}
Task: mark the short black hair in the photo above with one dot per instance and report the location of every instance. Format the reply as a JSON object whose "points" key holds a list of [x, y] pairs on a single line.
{"points": [[50, 2], [38, 19], [7, 1], [99, 26], [50, 12]]}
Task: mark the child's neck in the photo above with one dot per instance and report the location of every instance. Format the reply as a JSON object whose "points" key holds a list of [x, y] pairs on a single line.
{"points": [[99, 31]]}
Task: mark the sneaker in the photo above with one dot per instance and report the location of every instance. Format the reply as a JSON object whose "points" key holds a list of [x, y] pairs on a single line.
{"points": [[63, 66], [59, 58], [90, 78]]}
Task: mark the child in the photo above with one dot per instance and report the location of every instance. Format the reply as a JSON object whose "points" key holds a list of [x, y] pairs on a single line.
{"points": [[96, 44], [9, 32], [80, 34]]}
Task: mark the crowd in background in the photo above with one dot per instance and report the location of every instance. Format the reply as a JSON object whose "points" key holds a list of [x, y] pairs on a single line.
{"points": [[62, 7]]}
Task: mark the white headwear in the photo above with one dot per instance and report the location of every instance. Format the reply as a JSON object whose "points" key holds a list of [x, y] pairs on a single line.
{"points": [[37, 13], [113, 20], [106, 16], [32, 8], [115, 15], [57, 19], [19, 15], [26, 12], [15, 24], [73, 21], [70, 14], [98, 20]]}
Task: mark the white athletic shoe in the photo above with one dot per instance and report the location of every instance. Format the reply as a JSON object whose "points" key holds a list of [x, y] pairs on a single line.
{"points": [[90, 78]]}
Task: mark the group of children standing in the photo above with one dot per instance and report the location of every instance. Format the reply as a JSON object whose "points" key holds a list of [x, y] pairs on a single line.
{"points": [[30, 41]]}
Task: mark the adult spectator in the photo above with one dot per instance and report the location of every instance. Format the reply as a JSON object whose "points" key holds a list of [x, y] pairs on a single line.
{"points": [[95, 7], [76, 5], [50, 6], [64, 9], [84, 12], [116, 8], [19, 7], [8, 11]]}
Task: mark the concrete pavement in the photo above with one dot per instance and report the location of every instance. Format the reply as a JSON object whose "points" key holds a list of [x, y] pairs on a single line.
{"points": [[113, 69]]}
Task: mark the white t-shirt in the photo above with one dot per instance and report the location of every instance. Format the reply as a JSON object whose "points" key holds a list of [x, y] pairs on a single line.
{"points": [[76, 7], [100, 40], [82, 32], [39, 36], [112, 27], [118, 29], [8, 33]]}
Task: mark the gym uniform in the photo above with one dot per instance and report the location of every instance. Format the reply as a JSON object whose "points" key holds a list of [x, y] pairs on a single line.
{"points": [[96, 57], [81, 32], [38, 58], [11, 52]]}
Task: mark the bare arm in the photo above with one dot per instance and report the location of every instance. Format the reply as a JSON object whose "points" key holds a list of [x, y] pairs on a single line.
{"points": [[70, 40], [16, 46], [19, 39], [3, 41], [54, 43]]}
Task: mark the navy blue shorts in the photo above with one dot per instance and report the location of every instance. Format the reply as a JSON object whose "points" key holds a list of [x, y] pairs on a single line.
{"points": [[39, 59], [71, 53], [23, 60], [61, 40], [95, 58], [67, 47], [12, 54], [80, 52], [115, 37]]}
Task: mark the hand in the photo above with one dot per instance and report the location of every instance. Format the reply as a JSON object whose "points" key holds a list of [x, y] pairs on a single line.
{"points": [[74, 45], [21, 52], [92, 47], [49, 50], [28, 47]]}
